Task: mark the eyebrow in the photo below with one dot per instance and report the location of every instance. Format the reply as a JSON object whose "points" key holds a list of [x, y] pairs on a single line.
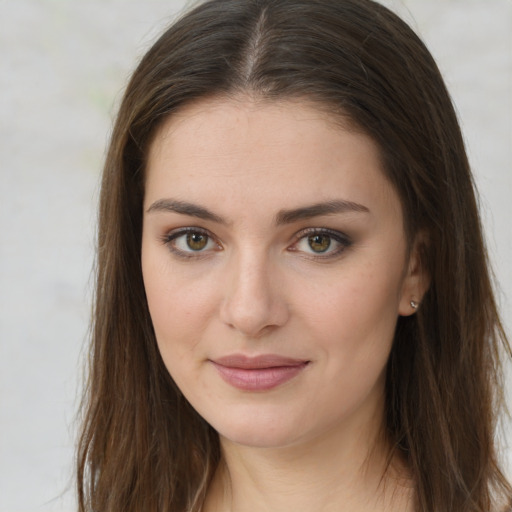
{"points": [[184, 208], [282, 217], [319, 209]]}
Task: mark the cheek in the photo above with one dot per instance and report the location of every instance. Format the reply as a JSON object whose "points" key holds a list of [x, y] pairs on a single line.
{"points": [[356, 315], [179, 312], [353, 325], [180, 304]]}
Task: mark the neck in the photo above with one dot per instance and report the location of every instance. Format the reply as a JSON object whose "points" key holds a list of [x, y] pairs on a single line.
{"points": [[333, 472]]}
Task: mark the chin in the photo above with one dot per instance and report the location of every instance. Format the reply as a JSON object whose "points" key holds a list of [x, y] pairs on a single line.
{"points": [[257, 432], [257, 439], [273, 433]]}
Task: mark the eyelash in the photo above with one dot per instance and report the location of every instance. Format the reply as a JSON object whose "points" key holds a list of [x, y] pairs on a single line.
{"points": [[170, 238], [340, 238]]}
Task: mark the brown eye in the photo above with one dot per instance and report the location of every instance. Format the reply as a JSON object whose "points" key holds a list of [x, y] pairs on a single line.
{"points": [[197, 241], [191, 242], [319, 242]]}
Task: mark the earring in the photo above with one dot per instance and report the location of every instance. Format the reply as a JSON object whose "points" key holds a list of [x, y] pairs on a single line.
{"points": [[414, 304]]}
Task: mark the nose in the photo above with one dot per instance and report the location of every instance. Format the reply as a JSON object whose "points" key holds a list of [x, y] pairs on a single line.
{"points": [[254, 302]]}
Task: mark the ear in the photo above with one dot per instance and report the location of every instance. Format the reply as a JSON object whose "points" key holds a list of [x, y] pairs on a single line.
{"points": [[416, 279]]}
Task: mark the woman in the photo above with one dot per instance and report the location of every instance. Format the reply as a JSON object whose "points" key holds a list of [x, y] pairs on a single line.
{"points": [[293, 307]]}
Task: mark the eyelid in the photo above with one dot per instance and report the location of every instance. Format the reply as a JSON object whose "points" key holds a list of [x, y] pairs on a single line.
{"points": [[174, 234], [341, 238]]}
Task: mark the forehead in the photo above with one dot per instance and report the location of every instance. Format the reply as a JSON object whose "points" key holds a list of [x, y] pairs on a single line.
{"points": [[284, 152], [234, 117]]}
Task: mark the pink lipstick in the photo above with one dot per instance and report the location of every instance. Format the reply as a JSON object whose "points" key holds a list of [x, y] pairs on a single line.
{"points": [[259, 373]]}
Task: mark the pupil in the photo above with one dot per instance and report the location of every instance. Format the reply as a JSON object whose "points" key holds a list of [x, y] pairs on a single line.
{"points": [[319, 243], [196, 241]]}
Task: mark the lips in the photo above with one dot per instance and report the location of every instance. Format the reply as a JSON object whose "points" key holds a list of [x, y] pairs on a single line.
{"points": [[260, 373]]}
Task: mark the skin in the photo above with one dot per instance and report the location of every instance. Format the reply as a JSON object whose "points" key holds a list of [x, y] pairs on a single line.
{"points": [[259, 285]]}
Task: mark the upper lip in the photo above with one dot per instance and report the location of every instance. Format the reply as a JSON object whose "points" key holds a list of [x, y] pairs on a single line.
{"points": [[257, 362]]}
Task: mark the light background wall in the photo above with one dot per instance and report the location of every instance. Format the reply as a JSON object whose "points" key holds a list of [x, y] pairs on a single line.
{"points": [[63, 64]]}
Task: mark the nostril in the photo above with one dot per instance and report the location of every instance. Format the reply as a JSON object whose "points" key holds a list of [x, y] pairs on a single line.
{"points": [[253, 316]]}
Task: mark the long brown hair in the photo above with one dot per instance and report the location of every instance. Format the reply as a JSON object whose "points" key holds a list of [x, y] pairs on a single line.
{"points": [[142, 446]]}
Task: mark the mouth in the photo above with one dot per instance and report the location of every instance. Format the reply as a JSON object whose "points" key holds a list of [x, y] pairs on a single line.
{"points": [[260, 373]]}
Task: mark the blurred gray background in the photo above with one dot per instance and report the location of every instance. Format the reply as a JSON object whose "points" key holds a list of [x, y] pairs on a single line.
{"points": [[63, 65]]}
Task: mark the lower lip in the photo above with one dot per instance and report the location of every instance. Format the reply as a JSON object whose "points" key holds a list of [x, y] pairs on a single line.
{"points": [[258, 379]]}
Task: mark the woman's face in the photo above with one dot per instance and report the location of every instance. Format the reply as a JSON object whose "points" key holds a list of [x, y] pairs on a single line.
{"points": [[275, 268]]}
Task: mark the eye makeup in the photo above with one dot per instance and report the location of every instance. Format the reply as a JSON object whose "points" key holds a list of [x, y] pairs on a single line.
{"points": [[315, 243]]}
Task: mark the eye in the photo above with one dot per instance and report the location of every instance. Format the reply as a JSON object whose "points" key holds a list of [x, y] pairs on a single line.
{"points": [[323, 243], [193, 241], [189, 242], [319, 243]]}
